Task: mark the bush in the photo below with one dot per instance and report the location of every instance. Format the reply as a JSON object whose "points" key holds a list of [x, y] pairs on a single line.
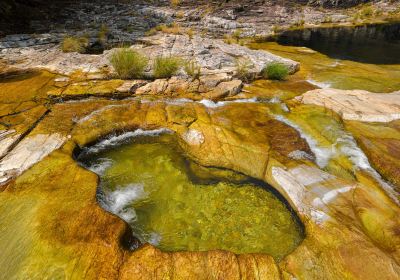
{"points": [[166, 67], [74, 44], [192, 69], [128, 63], [275, 71]]}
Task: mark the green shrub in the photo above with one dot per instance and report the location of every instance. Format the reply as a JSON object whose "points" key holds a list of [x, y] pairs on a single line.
{"points": [[74, 44], [166, 67], [275, 71], [243, 69], [192, 69], [128, 63]]}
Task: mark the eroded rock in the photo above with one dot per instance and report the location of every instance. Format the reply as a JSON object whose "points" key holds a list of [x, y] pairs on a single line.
{"points": [[358, 105]]}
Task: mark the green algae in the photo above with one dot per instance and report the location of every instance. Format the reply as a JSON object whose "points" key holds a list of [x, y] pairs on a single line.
{"points": [[177, 205], [323, 71]]}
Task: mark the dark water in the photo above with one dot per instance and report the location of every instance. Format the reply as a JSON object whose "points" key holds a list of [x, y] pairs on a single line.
{"points": [[376, 44]]}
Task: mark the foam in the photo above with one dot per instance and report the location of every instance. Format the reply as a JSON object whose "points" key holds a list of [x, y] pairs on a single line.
{"points": [[322, 154], [119, 201], [319, 84], [120, 139], [211, 104], [101, 166]]}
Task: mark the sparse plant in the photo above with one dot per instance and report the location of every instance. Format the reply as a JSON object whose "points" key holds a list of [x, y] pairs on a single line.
{"points": [[151, 32], [103, 34], [166, 67], [128, 63], [275, 71], [190, 33], [243, 68], [275, 29], [175, 3], [327, 19], [228, 39], [366, 12], [192, 69], [74, 44], [172, 28], [237, 34], [180, 14], [298, 23]]}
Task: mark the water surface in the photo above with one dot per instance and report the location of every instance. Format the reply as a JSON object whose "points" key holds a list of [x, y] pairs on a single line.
{"points": [[176, 205], [374, 43]]}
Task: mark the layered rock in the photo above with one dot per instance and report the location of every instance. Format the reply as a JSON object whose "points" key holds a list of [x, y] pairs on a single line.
{"points": [[72, 232], [356, 104]]}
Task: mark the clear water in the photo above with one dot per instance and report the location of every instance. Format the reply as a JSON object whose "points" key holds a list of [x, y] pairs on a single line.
{"points": [[175, 204], [374, 43]]}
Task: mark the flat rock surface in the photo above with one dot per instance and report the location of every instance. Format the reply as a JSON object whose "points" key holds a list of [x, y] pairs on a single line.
{"points": [[214, 56], [357, 105]]}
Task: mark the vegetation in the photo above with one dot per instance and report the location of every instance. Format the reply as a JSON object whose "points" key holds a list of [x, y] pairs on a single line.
{"points": [[275, 71], [237, 34], [103, 34], [175, 3], [128, 63], [192, 69], [366, 12], [74, 44], [243, 69], [166, 67]]}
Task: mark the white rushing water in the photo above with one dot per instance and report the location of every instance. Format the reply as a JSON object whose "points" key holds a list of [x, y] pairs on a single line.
{"points": [[319, 84], [322, 154], [120, 200], [345, 145], [116, 140]]}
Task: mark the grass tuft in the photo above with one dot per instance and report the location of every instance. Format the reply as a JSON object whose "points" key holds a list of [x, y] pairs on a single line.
{"points": [[128, 64], [243, 69], [166, 67], [74, 44], [192, 69], [275, 71]]}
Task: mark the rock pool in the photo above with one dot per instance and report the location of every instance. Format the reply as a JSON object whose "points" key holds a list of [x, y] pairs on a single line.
{"points": [[177, 205]]}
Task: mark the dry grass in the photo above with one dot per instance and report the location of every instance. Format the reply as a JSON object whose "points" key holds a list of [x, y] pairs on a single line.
{"points": [[74, 44]]}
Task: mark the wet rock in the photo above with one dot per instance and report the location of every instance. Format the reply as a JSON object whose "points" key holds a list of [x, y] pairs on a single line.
{"points": [[356, 104], [28, 152], [98, 88], [225, 89]]}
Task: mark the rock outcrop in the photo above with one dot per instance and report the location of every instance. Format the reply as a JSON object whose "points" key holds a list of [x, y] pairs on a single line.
{"points": [[356, 105]]}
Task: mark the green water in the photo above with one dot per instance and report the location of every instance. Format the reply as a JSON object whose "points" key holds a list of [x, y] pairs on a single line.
{"points": [[178, 205]]}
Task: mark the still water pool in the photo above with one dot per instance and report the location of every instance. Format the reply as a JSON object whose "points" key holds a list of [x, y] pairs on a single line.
{"points": [[176, 204]]}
